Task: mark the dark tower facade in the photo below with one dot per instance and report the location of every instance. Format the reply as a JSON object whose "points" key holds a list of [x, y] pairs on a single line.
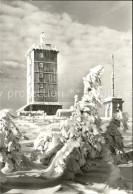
{"points": [[42, 78]]}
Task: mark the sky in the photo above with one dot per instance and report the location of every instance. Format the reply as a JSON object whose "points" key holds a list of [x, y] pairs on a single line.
{"points": [[86, 34]]}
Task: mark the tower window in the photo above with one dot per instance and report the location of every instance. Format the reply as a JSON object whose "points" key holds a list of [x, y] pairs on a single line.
{"points": [[41, 55], [40, 75], [40, 85], [41, 96], [41, 65]]}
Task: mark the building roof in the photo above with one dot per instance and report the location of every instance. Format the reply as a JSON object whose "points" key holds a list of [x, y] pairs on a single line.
{"points": [[41, 47], [45, 103], [38, 103], [110, 99]]}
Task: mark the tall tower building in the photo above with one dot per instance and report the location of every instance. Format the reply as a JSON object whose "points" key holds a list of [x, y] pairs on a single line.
{"points": [[42, 79]]}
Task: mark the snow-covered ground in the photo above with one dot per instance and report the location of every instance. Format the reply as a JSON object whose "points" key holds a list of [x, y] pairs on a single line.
{"points": [[94, 182]]}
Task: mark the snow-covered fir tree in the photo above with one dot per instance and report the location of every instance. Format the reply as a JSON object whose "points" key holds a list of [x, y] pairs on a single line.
{"points": [[80, 138]]}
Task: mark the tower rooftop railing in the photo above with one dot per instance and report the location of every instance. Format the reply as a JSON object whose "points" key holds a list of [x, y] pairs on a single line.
{"points": [[42, 47]]}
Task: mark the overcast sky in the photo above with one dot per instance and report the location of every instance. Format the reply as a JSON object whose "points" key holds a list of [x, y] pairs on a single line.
{"points": [[86, 33]]}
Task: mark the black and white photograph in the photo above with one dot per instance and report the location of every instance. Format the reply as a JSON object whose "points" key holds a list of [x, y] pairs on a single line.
{"points": [[66, 97]]}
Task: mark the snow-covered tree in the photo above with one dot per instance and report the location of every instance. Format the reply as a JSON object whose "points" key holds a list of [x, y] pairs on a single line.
{"points": [[79, 138], [10, 148]]}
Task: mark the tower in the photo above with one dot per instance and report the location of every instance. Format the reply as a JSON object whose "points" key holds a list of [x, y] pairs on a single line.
{"points": [[113, 104], [42, 80]]}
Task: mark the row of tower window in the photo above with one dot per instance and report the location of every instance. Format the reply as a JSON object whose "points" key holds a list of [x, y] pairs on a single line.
{"points": [[42, 77], [47, 55], [46, 67], [46, 97], [46, 87]]}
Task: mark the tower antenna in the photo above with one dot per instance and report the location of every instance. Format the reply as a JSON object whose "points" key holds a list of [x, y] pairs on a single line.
{"points": [[113, 76]]}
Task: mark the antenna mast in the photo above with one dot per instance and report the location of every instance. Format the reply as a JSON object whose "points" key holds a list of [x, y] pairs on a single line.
{"points": [[113, 76]]}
